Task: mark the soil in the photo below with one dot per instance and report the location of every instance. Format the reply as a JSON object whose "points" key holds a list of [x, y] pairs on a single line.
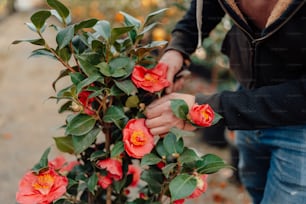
{"points": [[29, 120]]}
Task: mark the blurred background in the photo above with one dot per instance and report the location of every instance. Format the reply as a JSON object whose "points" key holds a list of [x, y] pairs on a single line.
{"points": [[28, 120]]}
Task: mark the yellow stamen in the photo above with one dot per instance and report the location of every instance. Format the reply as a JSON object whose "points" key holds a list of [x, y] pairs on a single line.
{"points": [[44, 183], [138, 138], [150, 77]]}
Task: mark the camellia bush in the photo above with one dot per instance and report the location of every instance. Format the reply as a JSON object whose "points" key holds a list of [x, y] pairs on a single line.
{"points": [[113, 76]]}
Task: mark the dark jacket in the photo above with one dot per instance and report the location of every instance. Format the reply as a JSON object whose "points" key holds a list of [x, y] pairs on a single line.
{"points": [[270, 65]]}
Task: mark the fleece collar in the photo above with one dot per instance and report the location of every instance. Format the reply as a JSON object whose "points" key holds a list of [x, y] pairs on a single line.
{"points": [[277, 11]]}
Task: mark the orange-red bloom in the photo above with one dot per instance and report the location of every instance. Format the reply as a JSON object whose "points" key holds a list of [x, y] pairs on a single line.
{"points": [[86, 102], [151, 80], [60, 164], [201, 115], [137, 139], [201, 186], [42, 188], [113, 168], [104, 181], [180, 201], [135, 171]]}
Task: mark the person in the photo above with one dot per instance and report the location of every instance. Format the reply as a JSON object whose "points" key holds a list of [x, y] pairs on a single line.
{"points": [[266, 47]]}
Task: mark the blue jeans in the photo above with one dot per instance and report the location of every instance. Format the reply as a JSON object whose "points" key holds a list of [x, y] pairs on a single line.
{"points": [[272, 164]]}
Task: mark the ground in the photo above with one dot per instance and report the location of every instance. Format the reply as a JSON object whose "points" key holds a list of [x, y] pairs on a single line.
{"points": [[29, 120]]}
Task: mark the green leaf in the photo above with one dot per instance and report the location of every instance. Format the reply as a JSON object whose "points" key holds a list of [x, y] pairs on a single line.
{"points": [[64, 144], [64, 54], [179, 108], [81, 143], [33, 41], [130, 20], [76, 77], [172, 145], [182, 186], [92, 182], [117, 149], [104, 69], [119, 66], [103, 28], [117, 32], [64, 21], [132, 102], [182, 133], [43, 162], [86, 24], [59, 7], [80, 125], [64, 37], [42, 52], [217, 117], [65, 107], [154, 179], [150, 159], [126, 86], [159, 147], [98, 155], [210, 164], [168, 169], [87, 67], [113, 114], [188, 155], [152, 15], [39, 19], [88, 81]]}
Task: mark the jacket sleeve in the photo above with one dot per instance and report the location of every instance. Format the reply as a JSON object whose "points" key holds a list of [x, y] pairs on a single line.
{"points": [[270, 106], [185, 34]]}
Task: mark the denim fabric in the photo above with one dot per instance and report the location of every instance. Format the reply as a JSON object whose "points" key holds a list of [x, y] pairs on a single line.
{"points": [[272, 164]]}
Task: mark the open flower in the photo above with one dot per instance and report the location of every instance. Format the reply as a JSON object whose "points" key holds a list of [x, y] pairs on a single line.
{"points": [[137, 139], [201, 115], [42, 188], [113, 168], [201, 186], [151, 80], [135, 171], [86, 102]]}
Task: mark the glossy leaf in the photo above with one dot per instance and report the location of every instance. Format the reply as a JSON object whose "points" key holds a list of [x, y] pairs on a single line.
{"points": [[179, 108], [82, 142], [210, 163], [182, 186], [117, 32], [117, 149], [188, 155], [42, 52], [130, 20], [159, 147], [59, 7], [113, 114], [154, 178], [33, 41], [86, 24], [150, 159], [91, 79], [87, 67], [168, 169], [172, 145], [126, 86], [149, 17], [64, 144], [103, 28], [39, 18], [80, 125], [64, 37], [92, 182], [43, 162]]}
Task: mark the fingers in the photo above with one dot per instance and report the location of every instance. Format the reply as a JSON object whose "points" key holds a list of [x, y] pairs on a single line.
{"points": [[170, 121]]}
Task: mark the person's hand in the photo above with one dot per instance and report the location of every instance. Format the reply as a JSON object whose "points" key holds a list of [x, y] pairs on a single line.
{"points": [[160, 118], [174, 60]]}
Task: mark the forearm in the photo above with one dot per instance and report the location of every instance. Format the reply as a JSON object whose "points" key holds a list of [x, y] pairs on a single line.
{"points": [[270, 106]]}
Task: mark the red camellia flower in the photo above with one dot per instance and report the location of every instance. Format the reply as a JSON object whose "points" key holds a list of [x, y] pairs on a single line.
{"points": [[135, 171], [151, 80], [104, 181], [86, 102], [180, 201], [201, 186], [137, 139], [201, 115], [42, 188], [113, 167], [60, 164]]}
